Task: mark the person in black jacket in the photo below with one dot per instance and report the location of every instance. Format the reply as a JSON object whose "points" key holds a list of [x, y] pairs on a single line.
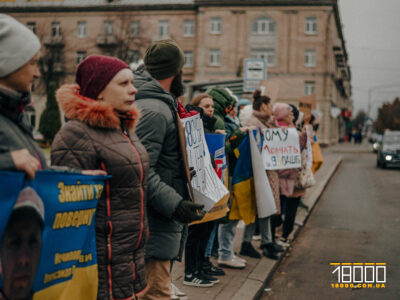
{"points": [[160, 130]]}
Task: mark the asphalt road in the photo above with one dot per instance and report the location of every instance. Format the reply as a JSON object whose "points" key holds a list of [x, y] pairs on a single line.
{"points": [[357, 220]]}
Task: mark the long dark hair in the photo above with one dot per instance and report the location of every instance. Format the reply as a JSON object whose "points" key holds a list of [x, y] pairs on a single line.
{"points": [[258, 100]]}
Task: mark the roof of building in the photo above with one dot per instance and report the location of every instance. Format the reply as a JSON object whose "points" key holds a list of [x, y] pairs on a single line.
{"points": [[66, 3]]}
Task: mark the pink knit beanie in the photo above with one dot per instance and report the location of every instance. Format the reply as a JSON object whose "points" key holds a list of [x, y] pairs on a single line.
{"points": [[281, 110], [95, 72]]}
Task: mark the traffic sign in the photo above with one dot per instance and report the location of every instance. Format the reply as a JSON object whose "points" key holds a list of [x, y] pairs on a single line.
{"points": [[255, 71]]}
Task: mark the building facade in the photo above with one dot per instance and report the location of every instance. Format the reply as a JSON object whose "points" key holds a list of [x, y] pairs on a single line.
{"points": [[300, 40]]}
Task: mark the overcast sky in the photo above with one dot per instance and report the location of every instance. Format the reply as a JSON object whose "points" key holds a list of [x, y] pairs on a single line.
{"points": [[372, 34]]}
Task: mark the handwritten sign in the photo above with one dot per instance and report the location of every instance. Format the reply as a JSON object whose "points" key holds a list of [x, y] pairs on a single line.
{"points": [[208, 188], [281, 149]]}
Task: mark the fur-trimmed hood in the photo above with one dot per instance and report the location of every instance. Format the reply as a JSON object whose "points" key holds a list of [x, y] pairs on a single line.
{"points": [[92, 112]]}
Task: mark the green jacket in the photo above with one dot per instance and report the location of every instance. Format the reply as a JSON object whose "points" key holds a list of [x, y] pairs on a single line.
{"points": [[15, 131], [167, 186]]}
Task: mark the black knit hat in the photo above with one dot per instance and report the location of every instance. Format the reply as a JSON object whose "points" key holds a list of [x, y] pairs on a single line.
{"points": [[163, 59]]}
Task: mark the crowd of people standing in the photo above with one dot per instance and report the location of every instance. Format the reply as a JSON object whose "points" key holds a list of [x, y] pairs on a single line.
{"points": [[128, 125]]}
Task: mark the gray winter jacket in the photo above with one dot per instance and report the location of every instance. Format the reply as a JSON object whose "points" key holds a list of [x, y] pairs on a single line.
{"points": [[167, 186], [15, 132]]}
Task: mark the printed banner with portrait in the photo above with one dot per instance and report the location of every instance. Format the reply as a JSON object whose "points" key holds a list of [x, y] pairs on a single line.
{"points": [[50, 226]]}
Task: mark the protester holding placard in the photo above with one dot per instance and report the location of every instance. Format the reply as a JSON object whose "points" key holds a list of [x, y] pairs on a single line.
{"points": [[285, 116], [262, 118], [100, 134], [199, 271], [223, 103]]}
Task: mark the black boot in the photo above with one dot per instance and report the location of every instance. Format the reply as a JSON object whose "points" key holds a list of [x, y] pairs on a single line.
{"points": [[269, 251], [278, 248], [209, 269], [248, 250]]}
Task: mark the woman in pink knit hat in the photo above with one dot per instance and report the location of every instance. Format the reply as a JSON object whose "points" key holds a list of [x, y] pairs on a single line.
{"points": [[283, 114], [290, 198]]}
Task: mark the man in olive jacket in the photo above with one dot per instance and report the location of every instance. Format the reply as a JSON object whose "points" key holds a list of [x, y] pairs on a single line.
{"points": [[160, 130]]}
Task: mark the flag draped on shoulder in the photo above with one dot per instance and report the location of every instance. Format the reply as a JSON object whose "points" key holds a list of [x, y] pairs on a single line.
{"points": [[243, 193], [252, 193]]}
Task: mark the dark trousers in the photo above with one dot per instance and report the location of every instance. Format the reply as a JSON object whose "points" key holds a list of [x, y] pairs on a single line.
{"points": [[196, 244], [291, 205]]}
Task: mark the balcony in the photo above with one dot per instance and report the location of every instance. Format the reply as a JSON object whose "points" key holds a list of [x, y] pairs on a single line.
{"points": [[54, 41], [109, 40]]}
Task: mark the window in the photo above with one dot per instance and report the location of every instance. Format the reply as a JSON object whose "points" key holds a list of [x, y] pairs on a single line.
{"points": [[310, 58], [269, 55], [32, 26], [108, 27], [311, 25], [56, 55], [263, 26], [215, 57], [135, 28], [188, 59], [163, 29], [55, 29], [81, 29], [133, 56], [216, 25], [80, 55], [309, 88], [188, 28]]}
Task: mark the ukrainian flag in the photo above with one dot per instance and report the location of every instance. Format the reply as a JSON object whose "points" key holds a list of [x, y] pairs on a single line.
{"points": [[243, 191]]}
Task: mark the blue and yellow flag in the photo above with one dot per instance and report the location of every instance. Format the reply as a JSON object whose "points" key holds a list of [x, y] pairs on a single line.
{"points": [[244, 205]]}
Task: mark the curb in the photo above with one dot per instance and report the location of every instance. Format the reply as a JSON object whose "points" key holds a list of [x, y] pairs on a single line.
{"points": [[254, 285]]}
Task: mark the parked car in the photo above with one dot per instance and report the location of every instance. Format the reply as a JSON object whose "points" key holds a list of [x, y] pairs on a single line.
{"points": [[389, 151]]}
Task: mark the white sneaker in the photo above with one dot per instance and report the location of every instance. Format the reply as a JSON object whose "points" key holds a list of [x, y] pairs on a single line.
{"points": [[239, 259], [284, 242], [176, 292], [231, 263]]}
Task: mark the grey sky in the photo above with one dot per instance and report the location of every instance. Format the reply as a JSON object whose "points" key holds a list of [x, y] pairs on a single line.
{"points": [[372, 34]]}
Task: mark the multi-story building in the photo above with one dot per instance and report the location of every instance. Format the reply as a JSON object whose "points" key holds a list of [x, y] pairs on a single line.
{"points": [[301, 41]]}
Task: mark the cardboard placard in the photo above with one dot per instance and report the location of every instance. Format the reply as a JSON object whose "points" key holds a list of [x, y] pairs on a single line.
{"points": [[308, 103]]}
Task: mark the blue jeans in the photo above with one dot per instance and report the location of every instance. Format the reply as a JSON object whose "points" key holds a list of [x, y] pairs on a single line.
{"points": [[226, 235], [210, 243]]}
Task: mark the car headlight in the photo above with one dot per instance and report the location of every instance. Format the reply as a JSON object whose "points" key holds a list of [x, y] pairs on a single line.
{"points": [[388, 157]]}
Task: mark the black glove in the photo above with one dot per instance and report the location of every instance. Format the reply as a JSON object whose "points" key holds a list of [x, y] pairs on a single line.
{"points": [[192, 172], [188, 211]]}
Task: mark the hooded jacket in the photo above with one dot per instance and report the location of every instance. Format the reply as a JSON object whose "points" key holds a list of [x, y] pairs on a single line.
{"points": [[15, 131], [167, 185], [96, 137]]}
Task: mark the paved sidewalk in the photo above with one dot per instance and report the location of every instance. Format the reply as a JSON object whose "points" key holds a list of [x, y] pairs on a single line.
{"points": [[249, 283], [365, 147]]}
